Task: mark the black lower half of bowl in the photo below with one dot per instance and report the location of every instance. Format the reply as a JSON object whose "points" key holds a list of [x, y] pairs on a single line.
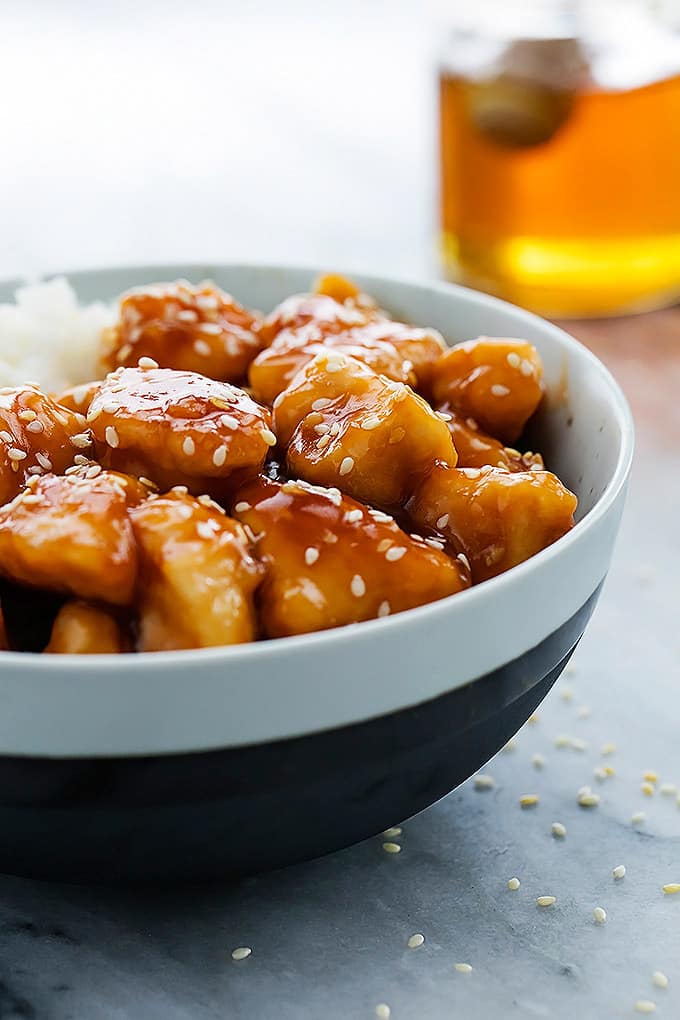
{"points": [[245, 809]]}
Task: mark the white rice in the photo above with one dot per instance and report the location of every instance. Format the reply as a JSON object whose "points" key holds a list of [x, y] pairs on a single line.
{"points": [[47, 337]]}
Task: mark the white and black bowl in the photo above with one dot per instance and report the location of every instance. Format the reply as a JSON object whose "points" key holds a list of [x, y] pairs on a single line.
{"points": [[183, 765]]}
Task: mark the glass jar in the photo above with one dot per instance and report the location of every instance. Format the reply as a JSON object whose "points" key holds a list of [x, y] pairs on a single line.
{"points": [[560, 153]]}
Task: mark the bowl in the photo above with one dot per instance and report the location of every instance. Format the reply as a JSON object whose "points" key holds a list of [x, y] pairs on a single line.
{"points": [[203, 764]]}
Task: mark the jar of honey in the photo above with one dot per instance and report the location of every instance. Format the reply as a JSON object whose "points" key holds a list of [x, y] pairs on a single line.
{"points": [[560, 153]]}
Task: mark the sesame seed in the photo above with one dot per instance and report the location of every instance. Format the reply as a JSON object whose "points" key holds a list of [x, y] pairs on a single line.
{"points": [[442, 414], [145, 363], [608, 749], [545, 901], [498, 390], [229, 421], [323, 442], [415, 941], [537, 760], [566, 694], [335, 363], [578, 744], [34, 471], [210, 328], [513, 884], [558, 829], [645, 1006], [436, 544], [352, 516], [93, 414], [472, 424], [461, 556], [16, 455], [320, 403], [383, 1011], [242, 506], [442, 521], [510, 745], [220, 456], [27, 415], [384, 609], [659, 979], [584, 711], [187, 315], [80, 460], [73, 470], [370, 423], [268, 436], [206, 301], [651, 777], [242, 953], [93, 471], [335, 429], [6, 437], [463, 968], [358, 586], [471, 472], [671, 888], [526, 368], [181, 490], [619, 871], [639, 818], [380, 517], [599, 915], [395, 553], [391, 848], [562, 740], [189, 446], [668, 789], [586, 797], [31, 499], [513, 359], [528, 800], [201, 347], [311, 555], [484, 782], [533, 719], [110, 407], [322, 428], [647, 789], [394, 830], [111, 436], [600, 774], [81, 440], [346, 465]]}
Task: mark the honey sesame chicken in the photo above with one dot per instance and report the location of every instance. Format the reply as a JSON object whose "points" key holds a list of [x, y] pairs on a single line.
{"points": [[345, 425], [81, 628], [178, 427], [70, 535], [331, 561], [185, 327], [476, 449], [402, 353], [197, 576], [37, 436], [496, 382], [79, 398], [496, 518]]}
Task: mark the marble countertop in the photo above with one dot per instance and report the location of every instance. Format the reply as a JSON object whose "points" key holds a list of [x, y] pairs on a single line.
{"points": [[329, 939]]}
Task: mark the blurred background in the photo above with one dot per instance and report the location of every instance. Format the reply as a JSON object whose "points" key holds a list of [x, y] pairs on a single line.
{"points": [[531, 148]]}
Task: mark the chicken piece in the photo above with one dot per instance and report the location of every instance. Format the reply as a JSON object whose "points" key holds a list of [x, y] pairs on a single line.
{"points": [[37, 435], [331, 561], [197, 576], [323, 310], [79, 398], [497, 382], [83, 629], [185, 327], [178, 427], [344, 425], [476, 449], [273, 369], [70, 535], [496, 518], [402, 353]]}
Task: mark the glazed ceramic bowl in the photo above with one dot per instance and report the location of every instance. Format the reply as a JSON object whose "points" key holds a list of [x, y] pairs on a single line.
{"points": [[184, 765]]}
